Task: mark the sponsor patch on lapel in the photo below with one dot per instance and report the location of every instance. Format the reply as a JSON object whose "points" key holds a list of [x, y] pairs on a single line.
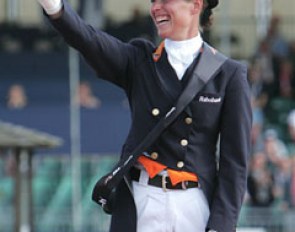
{"points": [[209, 99]]}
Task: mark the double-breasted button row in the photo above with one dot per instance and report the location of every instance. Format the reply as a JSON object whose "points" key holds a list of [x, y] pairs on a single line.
{"points": [[155, 156], [183, 142], [187, 120]]}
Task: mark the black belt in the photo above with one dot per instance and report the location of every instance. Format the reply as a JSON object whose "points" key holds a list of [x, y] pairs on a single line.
{"points": [[163, 181]]}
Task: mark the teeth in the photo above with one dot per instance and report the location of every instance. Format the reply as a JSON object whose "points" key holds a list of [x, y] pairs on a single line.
{"points": [[162, 22], [161, 19]]}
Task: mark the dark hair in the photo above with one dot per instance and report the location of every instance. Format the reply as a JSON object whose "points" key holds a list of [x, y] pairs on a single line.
{"points": [[207, 12]]}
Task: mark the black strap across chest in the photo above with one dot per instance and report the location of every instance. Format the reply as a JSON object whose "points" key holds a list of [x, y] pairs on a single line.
{"points": [[209, 63]]}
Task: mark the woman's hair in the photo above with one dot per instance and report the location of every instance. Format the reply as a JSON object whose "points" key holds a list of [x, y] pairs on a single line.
{"points": [[207, 12]]}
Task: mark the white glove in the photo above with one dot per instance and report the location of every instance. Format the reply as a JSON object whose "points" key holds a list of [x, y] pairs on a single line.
{"points": [[51, 6]]}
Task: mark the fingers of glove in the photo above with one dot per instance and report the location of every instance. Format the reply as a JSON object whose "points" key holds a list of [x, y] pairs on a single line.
{"points": [[51, 6]]}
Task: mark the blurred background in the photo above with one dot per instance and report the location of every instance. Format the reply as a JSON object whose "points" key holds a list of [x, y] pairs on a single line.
{"points": [[61, 127]]}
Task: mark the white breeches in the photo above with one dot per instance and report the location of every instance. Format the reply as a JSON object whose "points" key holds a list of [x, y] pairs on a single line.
{"points": [[170, 210]]}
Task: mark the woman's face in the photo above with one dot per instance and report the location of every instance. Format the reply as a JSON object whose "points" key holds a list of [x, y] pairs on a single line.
{"points": [[176, 19]]}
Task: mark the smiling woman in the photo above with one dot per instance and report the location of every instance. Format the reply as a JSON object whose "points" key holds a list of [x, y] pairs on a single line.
{"points": [[172, 181], [173, 21], [176, 19]]}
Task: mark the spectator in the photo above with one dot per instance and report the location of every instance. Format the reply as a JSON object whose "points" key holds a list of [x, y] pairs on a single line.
{"points": [[260, 182], [16, 97], [286, 79], [283, 183], [264, 70], [279, 45], [86, 97], [274, 148]]}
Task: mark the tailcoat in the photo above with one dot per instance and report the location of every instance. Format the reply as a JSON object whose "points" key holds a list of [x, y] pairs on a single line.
{"points": [[210, 138]]}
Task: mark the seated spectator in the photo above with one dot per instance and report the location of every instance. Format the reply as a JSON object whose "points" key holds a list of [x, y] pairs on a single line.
{"points": [[276, 155], [16, 97], [283, 183], [86, 97], [261, 188], [274, 148]]}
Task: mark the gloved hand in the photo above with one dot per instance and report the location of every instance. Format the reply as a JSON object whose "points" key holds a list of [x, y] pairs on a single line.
{"points": [[51, 6]]}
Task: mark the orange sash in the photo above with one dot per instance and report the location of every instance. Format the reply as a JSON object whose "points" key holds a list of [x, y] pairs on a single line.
{"points": [[153, 168]]}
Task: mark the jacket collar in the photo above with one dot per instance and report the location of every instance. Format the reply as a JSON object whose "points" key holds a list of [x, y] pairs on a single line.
{"points": [[158, 53]]}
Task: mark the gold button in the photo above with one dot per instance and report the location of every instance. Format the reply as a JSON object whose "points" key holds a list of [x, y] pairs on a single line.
{"points": [[180, 164], [188, 120], [155, 111], [184, 142], [154, 155]]}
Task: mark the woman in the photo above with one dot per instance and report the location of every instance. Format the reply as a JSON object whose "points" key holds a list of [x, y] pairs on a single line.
{"points": [[178, 184]]}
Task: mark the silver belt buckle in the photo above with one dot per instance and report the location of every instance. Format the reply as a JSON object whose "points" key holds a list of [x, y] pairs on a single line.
{"points": [[164, 182]]}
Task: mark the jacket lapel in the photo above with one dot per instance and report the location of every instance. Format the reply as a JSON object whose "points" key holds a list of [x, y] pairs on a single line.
{"points": [[208, 65], [167, 77]]}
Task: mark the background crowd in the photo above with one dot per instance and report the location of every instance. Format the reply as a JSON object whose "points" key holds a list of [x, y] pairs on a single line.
{"points": [[271, 75]]}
